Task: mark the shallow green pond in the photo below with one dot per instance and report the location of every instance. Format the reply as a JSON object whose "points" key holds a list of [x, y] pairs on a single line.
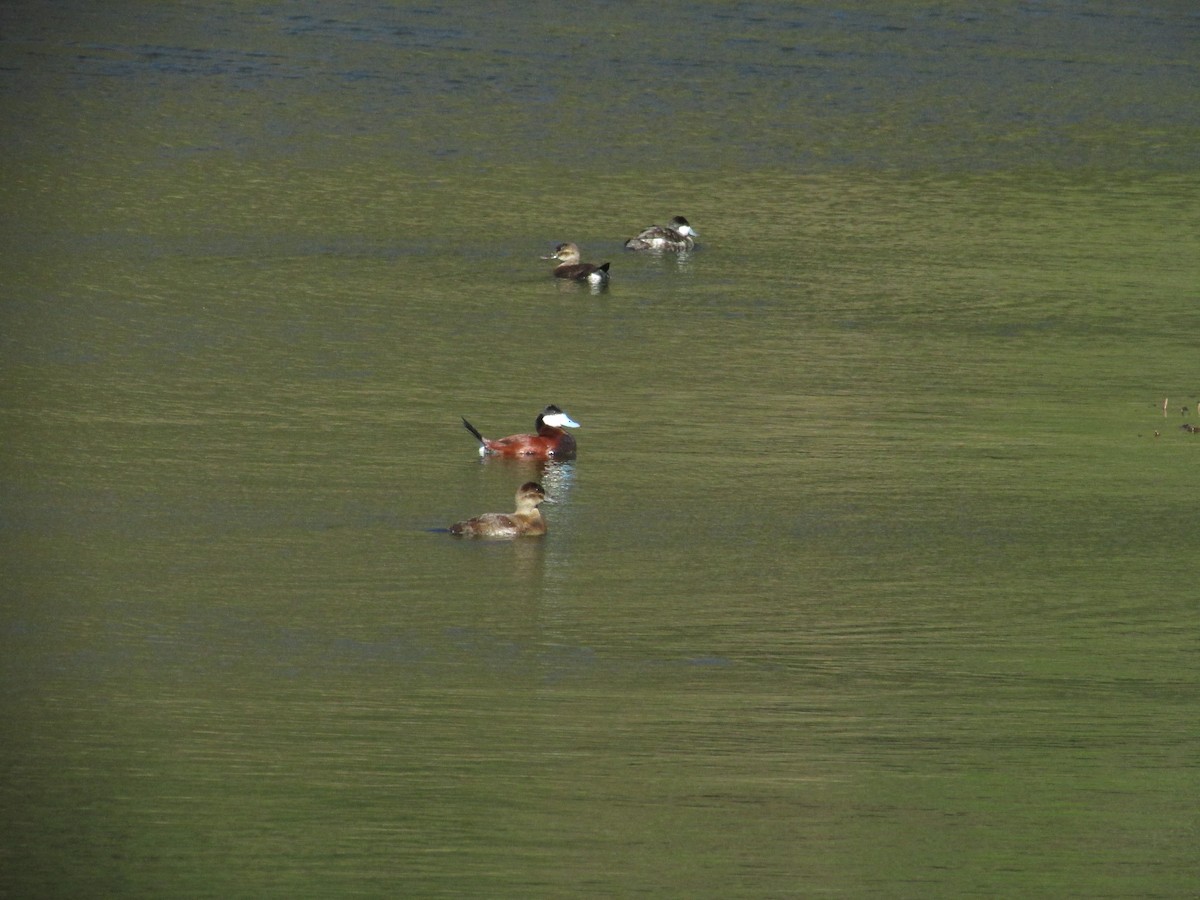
{"points": [[873, 576]]}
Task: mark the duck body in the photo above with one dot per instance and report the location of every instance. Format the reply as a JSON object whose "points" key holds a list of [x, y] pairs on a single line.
{"points": [[526, 521], [570, 267], [550, 439], [677, 236]]}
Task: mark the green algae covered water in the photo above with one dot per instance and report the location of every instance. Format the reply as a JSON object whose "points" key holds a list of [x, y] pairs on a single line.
{"points": [[873, 576]]}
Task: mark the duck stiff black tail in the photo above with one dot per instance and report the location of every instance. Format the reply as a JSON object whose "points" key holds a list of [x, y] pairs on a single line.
{"points": [[471, 428]]}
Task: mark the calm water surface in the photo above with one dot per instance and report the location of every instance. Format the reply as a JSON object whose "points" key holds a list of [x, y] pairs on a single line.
{"points": [[874, 575]]}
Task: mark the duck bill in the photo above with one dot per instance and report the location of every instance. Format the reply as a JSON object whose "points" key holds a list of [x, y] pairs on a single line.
{"points": [[560, 420]]}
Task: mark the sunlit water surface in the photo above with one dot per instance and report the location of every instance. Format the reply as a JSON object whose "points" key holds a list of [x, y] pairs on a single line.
{"points": [[874, 575]]}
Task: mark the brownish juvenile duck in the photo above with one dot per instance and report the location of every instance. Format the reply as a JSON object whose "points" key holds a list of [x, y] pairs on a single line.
{"points": [[527, 521], [570, 267], [676, 236]]}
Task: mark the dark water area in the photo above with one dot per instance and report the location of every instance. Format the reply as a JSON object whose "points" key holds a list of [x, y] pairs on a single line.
{"points": [[872, 575]]}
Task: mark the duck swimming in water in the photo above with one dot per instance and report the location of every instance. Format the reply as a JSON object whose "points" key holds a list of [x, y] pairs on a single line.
{"points": [[676, 237], [527, 521], [570, 267], [549, 442]]}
